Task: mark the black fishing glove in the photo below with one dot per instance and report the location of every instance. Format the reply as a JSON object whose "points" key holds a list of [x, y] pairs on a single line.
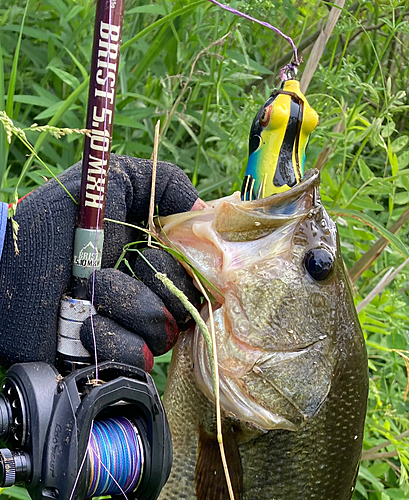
{"points": [[134, 321]]}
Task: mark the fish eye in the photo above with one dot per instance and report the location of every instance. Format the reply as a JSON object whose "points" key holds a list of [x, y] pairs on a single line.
{"points": [[265, 116], [319, 263]]}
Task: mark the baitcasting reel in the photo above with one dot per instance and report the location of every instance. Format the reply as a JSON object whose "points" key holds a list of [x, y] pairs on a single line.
{"points": [[77, 438]]}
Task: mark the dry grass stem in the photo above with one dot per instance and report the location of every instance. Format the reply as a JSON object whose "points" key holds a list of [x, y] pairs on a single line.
{"points": [[379, 447], [320, 44], [383, 283], [381, 456], [217, 391], [153, 185]]}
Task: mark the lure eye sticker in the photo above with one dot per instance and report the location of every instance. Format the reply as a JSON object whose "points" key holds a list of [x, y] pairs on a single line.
{"points": [[265, 117]]}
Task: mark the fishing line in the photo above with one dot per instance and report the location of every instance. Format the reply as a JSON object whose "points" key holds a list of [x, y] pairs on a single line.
{"points": [[81, 466], [116, 457], [286, 71], [116, 482]]}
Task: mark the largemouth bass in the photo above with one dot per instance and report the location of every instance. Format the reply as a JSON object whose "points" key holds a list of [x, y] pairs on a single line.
{"points": [[292, 358]]}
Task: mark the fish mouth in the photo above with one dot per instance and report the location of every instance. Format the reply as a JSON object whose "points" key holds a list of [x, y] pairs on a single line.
{"points": [[237, 216], [237, 220]]}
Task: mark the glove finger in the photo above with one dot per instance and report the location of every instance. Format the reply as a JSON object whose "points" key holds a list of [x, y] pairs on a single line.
{"points": [[165, 263], [113, 342], [134, 306]]}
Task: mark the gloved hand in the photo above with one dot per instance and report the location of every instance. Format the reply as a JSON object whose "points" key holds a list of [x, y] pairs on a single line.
{"points": [[134, 321]]}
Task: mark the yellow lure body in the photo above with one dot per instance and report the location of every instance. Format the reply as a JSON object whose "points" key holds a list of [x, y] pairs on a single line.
{"points": [[278, 139]]}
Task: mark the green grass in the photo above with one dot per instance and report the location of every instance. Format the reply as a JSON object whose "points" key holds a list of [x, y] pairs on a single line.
{"points": [[359, 90]]}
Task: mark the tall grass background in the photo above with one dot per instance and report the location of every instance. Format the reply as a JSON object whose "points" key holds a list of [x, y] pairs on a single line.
{"points": [[204, 73]]}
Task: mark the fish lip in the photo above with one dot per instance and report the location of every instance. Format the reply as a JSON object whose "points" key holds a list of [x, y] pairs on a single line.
{"points": [[310, 182]]}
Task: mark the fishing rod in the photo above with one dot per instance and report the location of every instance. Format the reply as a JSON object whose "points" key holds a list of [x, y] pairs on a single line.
{"points": [[89, 234], [99, 430]]}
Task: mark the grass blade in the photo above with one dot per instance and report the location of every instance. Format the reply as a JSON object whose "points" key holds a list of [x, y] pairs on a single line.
{"points": [[394, 240], [159, 23]]}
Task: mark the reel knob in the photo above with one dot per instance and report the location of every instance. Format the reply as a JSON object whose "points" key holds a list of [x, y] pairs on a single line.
{"points": [[15, 467], [7, 468]]}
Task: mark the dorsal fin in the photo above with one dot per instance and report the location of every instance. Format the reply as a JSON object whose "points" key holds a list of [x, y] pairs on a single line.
{"points": [[210, 481]]}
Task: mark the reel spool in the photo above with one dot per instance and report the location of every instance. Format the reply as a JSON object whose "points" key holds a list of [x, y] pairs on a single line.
{"points": [[72, 438], [116, 457]]}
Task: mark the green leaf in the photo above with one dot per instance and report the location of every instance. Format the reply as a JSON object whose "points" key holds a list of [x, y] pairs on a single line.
{"points": [[61, 7], [402, 198], [405, 182], [247, 62], [51, 110], [74, 11], [148, 9], [396, 493], [84, 72], [378, 469], [364, 171], [367, 203], [30, 32], [128, 121], [15, 492], [361, 489], [368, 476], [377, 346], [31, 99], [399, 143], [70, 80], [403, 160], [165, 358], [49, 97], [388, 130]]}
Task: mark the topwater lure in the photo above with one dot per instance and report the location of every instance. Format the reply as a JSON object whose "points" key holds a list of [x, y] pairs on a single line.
{"points": [[278, 139]]}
